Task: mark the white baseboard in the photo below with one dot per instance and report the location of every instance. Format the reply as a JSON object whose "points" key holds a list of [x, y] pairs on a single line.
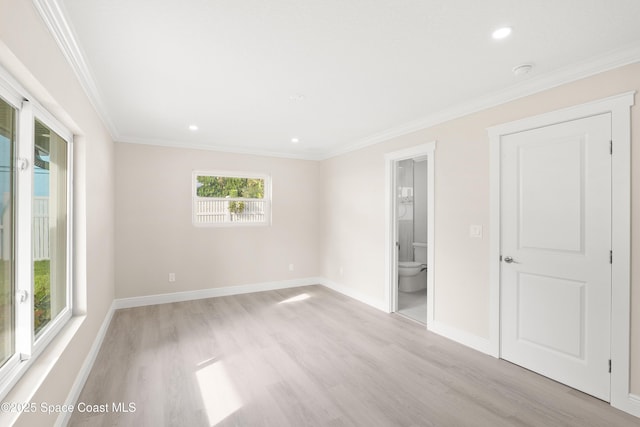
{"points": [[84, 371], [245, 289], [213, 292], [480, 344], [630, 405], [634, 405], [380, 305]]}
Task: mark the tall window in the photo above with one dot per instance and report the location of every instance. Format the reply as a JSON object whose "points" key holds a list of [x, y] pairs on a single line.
{"points": [[7, 312], [226, 198], [35, 238], [49, 226]]}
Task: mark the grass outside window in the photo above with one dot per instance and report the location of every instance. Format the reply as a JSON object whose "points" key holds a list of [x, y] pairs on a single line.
{"points": [[41, 294]]}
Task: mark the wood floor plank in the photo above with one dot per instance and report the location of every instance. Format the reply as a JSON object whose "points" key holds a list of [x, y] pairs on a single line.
{"points": [[311, 357]]}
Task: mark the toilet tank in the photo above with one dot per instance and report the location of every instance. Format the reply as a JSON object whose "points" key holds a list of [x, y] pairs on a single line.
{"points": [[420, 252]]}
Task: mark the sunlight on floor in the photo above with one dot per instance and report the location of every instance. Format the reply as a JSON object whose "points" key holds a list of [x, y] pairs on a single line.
{"points": [[297, 298], [218, 394]]}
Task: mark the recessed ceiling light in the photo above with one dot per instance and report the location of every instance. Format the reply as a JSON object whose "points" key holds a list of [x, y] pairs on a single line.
{"points": [[295, 140], [193, 128], [501, 33]]}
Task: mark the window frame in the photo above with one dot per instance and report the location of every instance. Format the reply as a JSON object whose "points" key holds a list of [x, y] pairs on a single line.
{"points": [[27, 345], [13, 363], [57, 323], [231, 174]]}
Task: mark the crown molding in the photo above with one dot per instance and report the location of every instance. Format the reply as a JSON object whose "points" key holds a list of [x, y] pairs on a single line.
{"points": [[54, 18], [626, 55]]}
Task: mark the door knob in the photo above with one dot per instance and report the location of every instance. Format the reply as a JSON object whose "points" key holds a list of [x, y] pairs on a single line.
{"points": [[508, 260]]}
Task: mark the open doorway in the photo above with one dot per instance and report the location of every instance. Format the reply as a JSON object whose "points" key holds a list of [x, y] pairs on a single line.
{"points": [[410, 180]]}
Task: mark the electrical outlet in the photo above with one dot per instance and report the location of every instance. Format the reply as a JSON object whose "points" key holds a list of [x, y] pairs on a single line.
{"points": [[172, 277], [290, 267], [341, 271]]}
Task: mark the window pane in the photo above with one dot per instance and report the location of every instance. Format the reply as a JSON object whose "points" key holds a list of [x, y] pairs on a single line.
{"points": [[226, 186], [7, 141], [230, 200], [49, 226]]}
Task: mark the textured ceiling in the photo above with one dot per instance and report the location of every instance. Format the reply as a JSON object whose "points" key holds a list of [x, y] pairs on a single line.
{"points": [[337, 74]]}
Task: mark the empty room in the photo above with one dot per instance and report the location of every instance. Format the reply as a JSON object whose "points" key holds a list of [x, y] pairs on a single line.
{"points": [[319, 213]]}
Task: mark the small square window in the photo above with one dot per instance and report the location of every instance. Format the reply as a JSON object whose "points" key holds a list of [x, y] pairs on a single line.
{"points": [[231, 198]]}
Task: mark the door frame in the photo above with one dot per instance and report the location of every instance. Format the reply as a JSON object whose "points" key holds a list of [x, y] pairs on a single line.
{"points": [[619, 107], [391, 232]]}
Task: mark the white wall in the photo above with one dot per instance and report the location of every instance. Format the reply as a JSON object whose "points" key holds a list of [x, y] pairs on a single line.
{"points": [[155, 235], [28, 51], [353, 208]]}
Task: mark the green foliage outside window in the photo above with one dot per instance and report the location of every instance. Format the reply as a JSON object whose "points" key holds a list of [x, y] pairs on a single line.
{"points": [[236, 207], [41, 293], [225, 186]]}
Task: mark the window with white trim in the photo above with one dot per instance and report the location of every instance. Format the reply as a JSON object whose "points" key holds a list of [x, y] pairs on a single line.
{"points": [[35, 231], [231, 198]]}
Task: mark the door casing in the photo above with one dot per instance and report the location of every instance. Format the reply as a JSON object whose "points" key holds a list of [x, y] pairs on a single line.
{"points": [[391, 232]]}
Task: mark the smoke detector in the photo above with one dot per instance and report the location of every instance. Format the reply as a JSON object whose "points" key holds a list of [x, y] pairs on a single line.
{"points": [[522, 69]]}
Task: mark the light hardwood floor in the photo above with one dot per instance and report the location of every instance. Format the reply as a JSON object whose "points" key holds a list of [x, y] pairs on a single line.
{"points": [[323, 360]]}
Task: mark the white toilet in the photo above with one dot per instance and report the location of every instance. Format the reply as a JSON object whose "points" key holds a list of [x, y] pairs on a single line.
{"points": [[413, 274]]}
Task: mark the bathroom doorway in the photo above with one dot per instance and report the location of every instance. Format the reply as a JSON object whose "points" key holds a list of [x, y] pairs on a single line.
{"points": [[410, 232]]}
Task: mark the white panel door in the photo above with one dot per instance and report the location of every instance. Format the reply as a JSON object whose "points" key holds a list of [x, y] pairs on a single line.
{"points": [[555, 282]]}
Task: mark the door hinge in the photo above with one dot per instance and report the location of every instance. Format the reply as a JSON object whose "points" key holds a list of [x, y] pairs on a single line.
{"points": [[609, 365], [611, 147], [610, 257]]}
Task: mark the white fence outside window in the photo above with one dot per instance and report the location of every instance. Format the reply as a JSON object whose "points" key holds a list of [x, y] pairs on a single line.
{"points": [[217, 211], [40, 233]]}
